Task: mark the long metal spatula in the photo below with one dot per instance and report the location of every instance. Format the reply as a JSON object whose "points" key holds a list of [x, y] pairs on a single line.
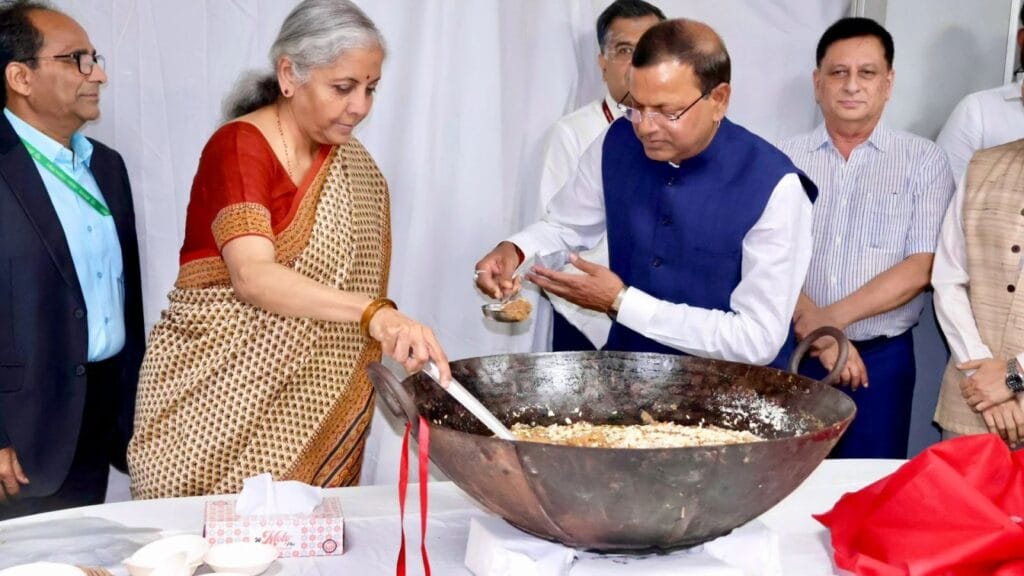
{"points": [[470, 402]]}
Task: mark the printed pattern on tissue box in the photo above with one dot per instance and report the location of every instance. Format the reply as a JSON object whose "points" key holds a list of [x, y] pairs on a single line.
{"points": [[294, 535]]}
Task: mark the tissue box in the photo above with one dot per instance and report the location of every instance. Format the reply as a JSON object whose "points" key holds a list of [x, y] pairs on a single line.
{"points": [[294, 535]]}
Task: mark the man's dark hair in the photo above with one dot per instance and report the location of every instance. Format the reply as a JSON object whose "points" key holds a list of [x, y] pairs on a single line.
{"points": [[686, 42], [628, 9], [19, 39], [846, 28]]}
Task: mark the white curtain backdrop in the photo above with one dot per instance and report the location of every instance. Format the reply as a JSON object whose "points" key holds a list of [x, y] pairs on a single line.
{"points": [[469, 89]]}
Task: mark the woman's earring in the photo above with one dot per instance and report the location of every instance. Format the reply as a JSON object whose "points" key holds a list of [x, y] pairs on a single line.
{"points": [[287, 93]]}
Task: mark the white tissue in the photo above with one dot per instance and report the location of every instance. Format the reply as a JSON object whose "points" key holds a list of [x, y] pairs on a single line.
{"points": [[262, 496], [753, 547], [691, 563], [495, 548]]}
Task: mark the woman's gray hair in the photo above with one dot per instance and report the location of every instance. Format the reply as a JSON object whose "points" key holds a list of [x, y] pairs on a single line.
{"points": [[314, 34]]}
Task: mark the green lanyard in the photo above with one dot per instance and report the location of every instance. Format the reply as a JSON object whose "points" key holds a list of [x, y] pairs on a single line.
{"points": [[67, 180]]}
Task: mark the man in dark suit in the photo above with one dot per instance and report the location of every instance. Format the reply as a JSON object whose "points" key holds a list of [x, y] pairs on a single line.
{"points": [[71, 330]]}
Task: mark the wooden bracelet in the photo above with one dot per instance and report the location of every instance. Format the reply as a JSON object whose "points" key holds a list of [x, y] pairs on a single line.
{"points": [[371, 309]]}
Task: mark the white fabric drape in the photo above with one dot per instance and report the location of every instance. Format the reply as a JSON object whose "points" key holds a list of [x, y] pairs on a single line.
{"points": [[469, 89]]}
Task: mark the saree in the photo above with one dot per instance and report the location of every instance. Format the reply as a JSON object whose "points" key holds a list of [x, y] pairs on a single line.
{"points": [[228, 390]]}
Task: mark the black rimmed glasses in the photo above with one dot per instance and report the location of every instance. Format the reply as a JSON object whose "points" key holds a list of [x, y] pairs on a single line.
{"points": [[636, 116], [85, 61]]}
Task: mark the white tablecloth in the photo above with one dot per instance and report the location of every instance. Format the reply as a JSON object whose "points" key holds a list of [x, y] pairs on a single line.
{"points": [[372, 530]]}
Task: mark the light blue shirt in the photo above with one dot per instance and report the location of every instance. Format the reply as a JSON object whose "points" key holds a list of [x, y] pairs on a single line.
{"points": [[91, 237], [883, 204]]}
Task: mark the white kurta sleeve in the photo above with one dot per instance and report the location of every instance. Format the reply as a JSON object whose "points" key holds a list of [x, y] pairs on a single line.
{"points": [[575, 218], [951, 281]]}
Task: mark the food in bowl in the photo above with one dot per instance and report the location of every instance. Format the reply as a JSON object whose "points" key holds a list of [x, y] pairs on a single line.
{"points": [[649, 435], [513, 311], [517, 310]]}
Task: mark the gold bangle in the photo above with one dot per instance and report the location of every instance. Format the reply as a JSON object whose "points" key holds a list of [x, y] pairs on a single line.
{"points": [[371, 309]]}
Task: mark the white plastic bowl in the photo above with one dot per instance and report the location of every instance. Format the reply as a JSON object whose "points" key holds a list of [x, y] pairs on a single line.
{"points": [[164, 552], [248, 558], [48, 568]]}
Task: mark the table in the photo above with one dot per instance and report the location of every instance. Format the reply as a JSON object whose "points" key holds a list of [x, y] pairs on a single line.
{"points": [[372, 529]]}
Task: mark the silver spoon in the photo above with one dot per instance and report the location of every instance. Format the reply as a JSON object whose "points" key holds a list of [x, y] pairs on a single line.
{"points": [[554, 261], [496, 311]]}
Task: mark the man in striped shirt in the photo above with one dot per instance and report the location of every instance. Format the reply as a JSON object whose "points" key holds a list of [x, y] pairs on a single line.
{"points": [[883, 193]]}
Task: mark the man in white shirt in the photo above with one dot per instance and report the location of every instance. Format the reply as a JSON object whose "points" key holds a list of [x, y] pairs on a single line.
{"points": [[619, 28], [977, 272], [883, 194], [984, 119], [708, 226]]}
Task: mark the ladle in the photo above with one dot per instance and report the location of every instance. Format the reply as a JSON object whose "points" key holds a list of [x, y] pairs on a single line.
{"points": [[470, 402]]}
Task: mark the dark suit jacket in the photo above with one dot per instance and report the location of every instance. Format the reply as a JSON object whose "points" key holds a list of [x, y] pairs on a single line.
{"points": [[43, 330]]}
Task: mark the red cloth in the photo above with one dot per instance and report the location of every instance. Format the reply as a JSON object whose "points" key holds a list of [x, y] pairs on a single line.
{"points": [[237, 167], [954, 510]]}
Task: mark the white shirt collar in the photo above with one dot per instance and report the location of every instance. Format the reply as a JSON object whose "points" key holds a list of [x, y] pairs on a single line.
{"points": [[613, 106]]}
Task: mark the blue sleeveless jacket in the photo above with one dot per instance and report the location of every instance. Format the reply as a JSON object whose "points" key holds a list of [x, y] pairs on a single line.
{"points": [[677, 233]]}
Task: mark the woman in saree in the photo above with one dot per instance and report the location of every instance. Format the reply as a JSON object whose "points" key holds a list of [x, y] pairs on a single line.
{"points": [[258, 364]]}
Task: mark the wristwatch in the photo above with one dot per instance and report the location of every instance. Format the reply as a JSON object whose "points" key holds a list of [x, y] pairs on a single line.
{"points": [[613, 311], [1014, 380]]}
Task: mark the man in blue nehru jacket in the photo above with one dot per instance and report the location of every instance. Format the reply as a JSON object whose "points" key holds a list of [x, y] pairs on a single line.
{"points": [[708, 225]]}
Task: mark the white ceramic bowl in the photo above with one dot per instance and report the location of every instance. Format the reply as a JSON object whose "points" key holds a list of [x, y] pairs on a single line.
{"points": [[248, 558], [163, 552], [38, 568]]}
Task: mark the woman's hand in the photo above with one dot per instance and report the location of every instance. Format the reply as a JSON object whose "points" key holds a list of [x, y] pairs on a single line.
{"points": [[408, 342], [260, 281]]}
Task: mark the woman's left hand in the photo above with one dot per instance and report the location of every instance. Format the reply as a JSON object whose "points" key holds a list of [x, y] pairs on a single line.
{"points": [[408, 342]]}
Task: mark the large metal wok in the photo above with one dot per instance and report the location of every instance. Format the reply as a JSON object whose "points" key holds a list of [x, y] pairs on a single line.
{"points": [[626, 499]]}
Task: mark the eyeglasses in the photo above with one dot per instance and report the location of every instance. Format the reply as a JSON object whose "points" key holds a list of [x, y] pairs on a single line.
{"points": [[85, 60], [636, 116], [621, 54]]}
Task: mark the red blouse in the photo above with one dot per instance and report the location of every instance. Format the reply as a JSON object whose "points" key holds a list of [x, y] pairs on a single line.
{"points": [[240, 189]]}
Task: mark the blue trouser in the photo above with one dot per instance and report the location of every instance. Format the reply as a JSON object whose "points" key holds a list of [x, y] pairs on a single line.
{"points": [[881, 428], [565, 337]]}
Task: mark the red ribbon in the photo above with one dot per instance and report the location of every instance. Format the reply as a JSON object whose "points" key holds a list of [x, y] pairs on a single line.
{"points": [[403, 483]]}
